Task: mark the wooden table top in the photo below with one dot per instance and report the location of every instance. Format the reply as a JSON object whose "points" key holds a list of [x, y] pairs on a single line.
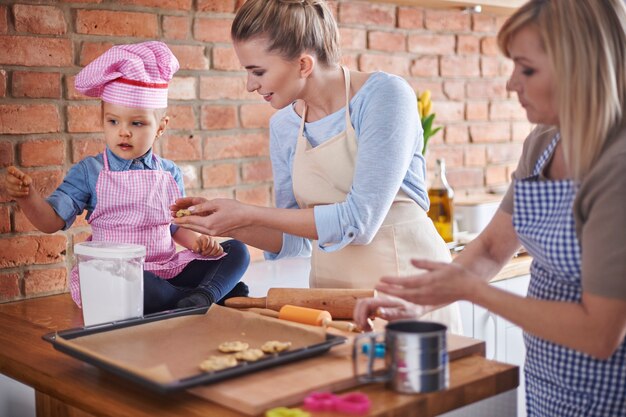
{"points": [[26, 357]]}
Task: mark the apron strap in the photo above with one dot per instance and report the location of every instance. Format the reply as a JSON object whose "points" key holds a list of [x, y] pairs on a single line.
{"points": [[546, 154], [105, 160]]}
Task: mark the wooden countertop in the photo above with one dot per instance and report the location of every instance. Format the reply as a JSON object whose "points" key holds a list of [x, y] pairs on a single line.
{"points": [[66, 386], [520, 265]]}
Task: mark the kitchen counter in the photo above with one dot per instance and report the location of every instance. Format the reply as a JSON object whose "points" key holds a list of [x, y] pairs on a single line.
{"points": [[65, 386]]}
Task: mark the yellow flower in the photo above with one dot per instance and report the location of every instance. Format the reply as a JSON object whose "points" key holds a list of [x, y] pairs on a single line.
{"points": [[424, 108]]}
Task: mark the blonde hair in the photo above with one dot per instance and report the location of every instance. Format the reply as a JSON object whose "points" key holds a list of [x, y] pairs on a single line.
{"points": [[291, 27], [585, 41]]}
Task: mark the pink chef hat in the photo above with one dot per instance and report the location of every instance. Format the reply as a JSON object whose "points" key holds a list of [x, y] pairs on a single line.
{"points": [[133, 75]]}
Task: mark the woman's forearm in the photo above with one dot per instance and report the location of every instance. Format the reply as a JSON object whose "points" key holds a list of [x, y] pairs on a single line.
{"points": [[266, 239], [298, 222]]}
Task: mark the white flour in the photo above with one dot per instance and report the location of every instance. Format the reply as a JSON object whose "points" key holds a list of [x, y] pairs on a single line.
{"points": [[111, 289]]}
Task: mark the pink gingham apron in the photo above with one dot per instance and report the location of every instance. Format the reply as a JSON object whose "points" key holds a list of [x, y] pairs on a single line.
{"points": [[133, 207]]}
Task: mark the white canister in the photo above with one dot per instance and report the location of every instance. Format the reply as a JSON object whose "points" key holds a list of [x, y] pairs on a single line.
{"points": [[111, 280]]}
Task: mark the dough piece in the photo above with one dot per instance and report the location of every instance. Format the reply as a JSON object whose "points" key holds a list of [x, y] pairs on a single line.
{"points": [[274, 346], [183, 213], [229, 347], [249, 355], [216, 363]]}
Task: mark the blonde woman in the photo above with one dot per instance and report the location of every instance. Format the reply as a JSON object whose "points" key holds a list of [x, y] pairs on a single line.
{"points": [[346, 156], [567, 206]]}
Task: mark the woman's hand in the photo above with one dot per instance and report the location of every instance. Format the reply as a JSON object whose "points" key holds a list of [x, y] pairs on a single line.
{"points": [[17, 183], [216, 217], [386, 307], [441, 284], [207, 246]]}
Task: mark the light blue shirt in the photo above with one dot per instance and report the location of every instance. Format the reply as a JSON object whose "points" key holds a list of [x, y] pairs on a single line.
{"points": [[389, 139], [78, 190]]}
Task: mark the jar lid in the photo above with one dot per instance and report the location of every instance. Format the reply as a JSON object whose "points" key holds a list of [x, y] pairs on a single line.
{"points": [[110, 250]]}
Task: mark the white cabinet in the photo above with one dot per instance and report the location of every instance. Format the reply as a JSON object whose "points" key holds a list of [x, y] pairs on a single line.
{"points": [[504, 340]]}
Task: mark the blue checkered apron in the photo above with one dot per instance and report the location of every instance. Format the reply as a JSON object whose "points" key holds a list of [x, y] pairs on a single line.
{"points": [[561, 381]]}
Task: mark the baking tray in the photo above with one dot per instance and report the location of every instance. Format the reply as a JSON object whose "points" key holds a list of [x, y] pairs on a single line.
{"points": [[64, 341]]}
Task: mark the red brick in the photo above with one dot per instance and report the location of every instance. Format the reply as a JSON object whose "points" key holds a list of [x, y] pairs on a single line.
{"points": [[456, 134], [490, 132], [430, 44], [84, 118], [219, 6], [190, 56], [368, 14], [435, 87], [506, 110], [160, 4], [477, 110], [4, 22], [212, 30], [237, 146], [9, 286], [487, 89], [349, 60], [460, 66], [7, 157], [410, 18], [82, 148], [225, 59], [42, 20], [182, 88], [218, 117], [113, 23], [220, 175], [452, 155], [229, 88], [483, 22], [447, 20], [425, 66], [448, 111], [191, 179], [44, 281], [3, 83], [260, 195], [182, 148], [467, 44], [501, 153], [256, 115], [211, 193], [80, 222], [36, 84], [21, 222], [395, 64], [70, 90], [257, 171], [42, 152], [490, 66], [181, 117], [81, 1], [454, 89], [496, 175], [79, 237], [29, 250], [92, 50], [506, 67], [460, 178], [5, 219], [35, 52], [352, 38], [33, 118], [387, 41], [489, 46], [475, 155], [176, 27]]}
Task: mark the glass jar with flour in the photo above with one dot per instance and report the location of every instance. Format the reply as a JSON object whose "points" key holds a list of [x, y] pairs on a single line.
{"points": [[111, 280]]}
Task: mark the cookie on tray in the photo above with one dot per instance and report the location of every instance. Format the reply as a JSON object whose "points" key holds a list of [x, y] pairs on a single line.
{"points": [[274, 346], [230, 347], [217, 363]]}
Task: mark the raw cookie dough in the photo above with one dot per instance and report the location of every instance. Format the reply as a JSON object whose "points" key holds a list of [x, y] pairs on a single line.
{"points": [[183, 213], [229, 347], [274, 346]]}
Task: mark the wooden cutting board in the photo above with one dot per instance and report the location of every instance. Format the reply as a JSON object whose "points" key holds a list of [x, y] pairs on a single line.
{"points": [[289, 384]]}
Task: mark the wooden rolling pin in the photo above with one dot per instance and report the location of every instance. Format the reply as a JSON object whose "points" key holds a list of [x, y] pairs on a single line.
{"points": [[307, 315], [338, 302]]}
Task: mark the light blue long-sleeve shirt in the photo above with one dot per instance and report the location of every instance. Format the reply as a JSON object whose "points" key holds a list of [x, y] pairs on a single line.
{"points": [[389, 140], [77, 192]]}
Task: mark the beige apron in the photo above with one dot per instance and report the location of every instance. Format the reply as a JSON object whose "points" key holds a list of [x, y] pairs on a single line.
{"points": [[323, 175]]}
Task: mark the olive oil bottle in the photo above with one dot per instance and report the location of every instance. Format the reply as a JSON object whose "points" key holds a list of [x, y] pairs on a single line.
{"points": [[441, 197]]}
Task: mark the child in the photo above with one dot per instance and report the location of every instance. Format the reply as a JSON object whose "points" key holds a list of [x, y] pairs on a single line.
{"points": [[127, 190]]}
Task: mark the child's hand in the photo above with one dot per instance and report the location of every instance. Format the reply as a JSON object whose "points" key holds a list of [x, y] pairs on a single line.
{"points": [[17, 183], [207, 246]]}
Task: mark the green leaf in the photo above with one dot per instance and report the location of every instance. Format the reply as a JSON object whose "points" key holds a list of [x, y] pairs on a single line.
{"points": [[427, 122]]}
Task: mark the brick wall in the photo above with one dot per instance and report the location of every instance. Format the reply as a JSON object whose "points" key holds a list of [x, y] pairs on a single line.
{"points": [[218, 132]]}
